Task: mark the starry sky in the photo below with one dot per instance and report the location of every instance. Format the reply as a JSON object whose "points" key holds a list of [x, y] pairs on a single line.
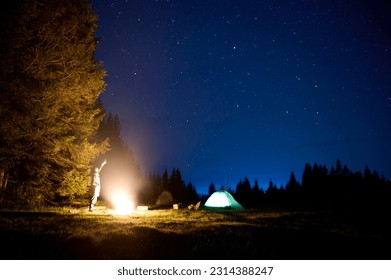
{"points": [[228, 89]]}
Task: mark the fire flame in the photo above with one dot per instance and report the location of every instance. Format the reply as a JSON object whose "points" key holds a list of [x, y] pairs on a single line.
{"points": [[122, 204]]}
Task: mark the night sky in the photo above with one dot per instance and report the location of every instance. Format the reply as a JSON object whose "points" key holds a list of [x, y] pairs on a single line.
{"points": [[225, 90]]}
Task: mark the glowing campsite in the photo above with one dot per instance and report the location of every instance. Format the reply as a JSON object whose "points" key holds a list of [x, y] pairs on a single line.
{"points": [[222, 200]]}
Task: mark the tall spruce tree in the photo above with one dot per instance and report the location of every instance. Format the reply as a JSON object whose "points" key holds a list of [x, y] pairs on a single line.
{"points": [[176, 185], [50, 83], [243, 192]]}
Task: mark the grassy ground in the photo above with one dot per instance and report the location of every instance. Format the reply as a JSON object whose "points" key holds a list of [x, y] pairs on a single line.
{"points": [[74, 233]]}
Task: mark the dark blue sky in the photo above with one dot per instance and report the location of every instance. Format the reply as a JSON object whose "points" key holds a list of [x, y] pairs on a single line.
{"points": [[229, 89]]}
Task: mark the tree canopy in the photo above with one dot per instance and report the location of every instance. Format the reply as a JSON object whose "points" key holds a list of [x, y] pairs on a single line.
{"points": [[50, 84]]}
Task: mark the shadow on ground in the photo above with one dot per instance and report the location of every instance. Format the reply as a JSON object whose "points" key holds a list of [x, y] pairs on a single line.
{"points": [[149, 243]]}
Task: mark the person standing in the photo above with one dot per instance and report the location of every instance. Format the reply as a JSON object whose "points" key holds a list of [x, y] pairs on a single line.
{"points": [[96, 186]]}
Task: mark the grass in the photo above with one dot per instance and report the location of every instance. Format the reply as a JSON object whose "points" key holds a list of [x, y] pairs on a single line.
{"points": [[71, 232]]}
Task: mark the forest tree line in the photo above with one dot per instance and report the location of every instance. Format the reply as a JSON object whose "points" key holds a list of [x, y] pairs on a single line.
{"points": [[320, 188]]}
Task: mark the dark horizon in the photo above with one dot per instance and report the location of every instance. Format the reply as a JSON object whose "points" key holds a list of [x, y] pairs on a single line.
{"points": [[326, 171]]}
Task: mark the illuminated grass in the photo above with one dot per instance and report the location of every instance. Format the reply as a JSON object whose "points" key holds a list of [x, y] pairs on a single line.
{"points": [[74, 233]]}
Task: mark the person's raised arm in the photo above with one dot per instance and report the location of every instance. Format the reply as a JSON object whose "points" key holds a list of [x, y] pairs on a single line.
{"points": [[103, 164]]}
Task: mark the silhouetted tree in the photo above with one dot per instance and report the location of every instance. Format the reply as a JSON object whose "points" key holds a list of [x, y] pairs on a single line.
{"points": [[122, 173], [308, 182], [211, 189], [293, 190], [191, 195], [165, 183], [324, 190], [256, 196], [243, 192], [307, 178], [176, 185], [273, 194]]}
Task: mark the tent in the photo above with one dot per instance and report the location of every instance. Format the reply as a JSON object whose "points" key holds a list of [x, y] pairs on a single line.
{"points": [[165, 199], [222, 200]]}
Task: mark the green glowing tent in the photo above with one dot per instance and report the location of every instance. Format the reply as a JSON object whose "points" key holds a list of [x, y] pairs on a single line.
{"points": [[222, 200]]}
